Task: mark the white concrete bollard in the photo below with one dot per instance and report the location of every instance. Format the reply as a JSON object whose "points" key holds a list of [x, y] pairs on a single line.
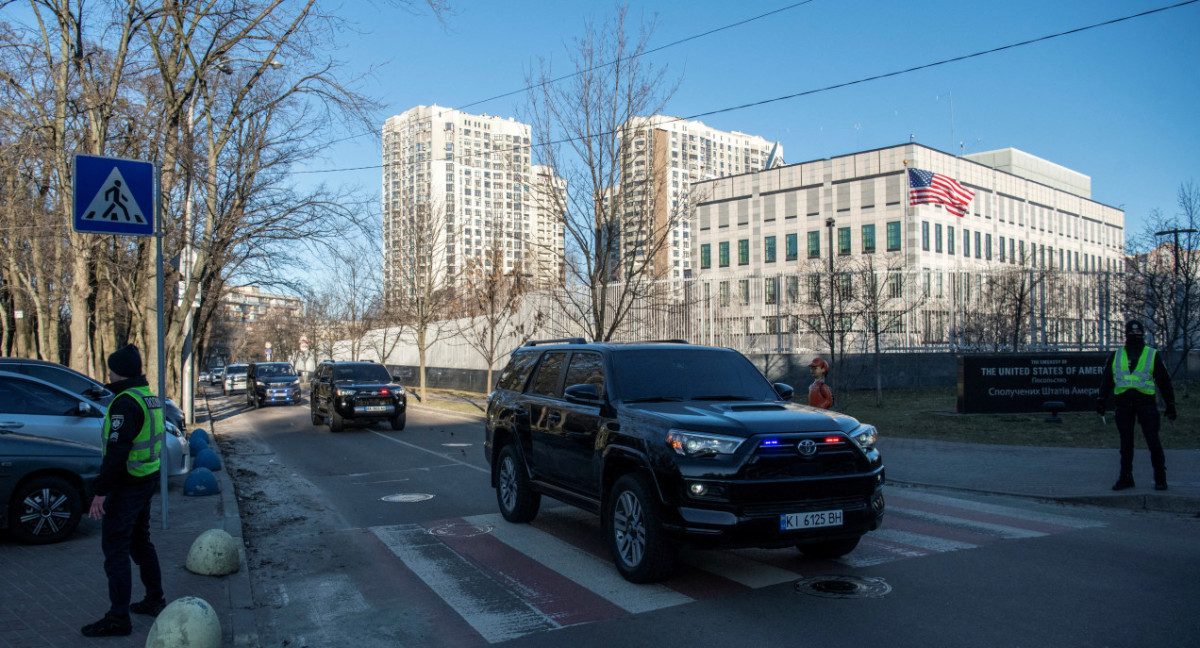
{"points": [[214, 553], [187, 622]]}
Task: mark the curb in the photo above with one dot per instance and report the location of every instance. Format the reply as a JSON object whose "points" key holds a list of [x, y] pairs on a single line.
{"points": [[241, 596]]}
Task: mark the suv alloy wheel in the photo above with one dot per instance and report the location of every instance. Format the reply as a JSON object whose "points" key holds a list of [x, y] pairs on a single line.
{"points": [[518, 502], [44, 510], [632, 527], [317, 419]]}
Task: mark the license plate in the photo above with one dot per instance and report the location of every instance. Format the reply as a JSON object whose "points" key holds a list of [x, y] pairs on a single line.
{"points": [[376, 408], [813, 520]]}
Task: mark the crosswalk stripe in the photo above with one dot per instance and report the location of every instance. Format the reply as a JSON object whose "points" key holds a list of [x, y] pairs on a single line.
{"points": [[494, 611], [932, 543], [595, 574], [991, 528], [908, 496]]}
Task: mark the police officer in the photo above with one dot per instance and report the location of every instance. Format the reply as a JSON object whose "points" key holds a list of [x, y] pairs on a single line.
{"points": [[132, 444], [1135, 375]]}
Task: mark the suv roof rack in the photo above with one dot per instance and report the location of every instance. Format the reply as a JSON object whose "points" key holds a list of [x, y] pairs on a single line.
{"points": [[573, 340]]}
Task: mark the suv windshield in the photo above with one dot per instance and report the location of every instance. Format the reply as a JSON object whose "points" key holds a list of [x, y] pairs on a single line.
{"points": [[236, 369], [361, 373], [687, 374], [274, 370]]}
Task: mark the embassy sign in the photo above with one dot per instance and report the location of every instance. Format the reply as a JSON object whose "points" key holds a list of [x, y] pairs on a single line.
{"points": [[1012, 383]]}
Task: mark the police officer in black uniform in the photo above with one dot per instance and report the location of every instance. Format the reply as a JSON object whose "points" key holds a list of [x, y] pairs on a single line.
{"points": [[129, 477], [1135, 375]]}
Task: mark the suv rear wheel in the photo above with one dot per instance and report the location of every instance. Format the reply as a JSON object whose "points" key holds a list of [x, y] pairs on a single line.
{"points": [[632, 527], [518, 502], [829, 548], [317, 419]]}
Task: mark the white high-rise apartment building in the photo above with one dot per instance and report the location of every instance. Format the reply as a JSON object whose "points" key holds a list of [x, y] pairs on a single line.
{"points": [[464, 182], [669, 154]]}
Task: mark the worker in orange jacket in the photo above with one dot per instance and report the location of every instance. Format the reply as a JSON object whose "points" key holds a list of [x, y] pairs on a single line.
{"points": [[819, 394]]}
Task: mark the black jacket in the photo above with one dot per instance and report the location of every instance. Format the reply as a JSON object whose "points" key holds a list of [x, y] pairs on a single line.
{"points": [[113, 474], [1133, 397]]}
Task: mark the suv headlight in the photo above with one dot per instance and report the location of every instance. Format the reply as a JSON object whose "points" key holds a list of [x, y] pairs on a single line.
{"points": [[259, 383], [294, 383], [865, 436], [342, 391], [696, 444]]}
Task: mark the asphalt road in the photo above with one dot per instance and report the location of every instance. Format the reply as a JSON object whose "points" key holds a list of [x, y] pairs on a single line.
{"points": [[373, 537]]}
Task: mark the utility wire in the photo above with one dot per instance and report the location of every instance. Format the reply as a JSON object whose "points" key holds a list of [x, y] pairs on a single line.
{"points": [[828, 88]]}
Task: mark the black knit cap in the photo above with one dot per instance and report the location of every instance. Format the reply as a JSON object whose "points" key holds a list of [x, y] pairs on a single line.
{"points": [[126, 362], [1133, 328]]}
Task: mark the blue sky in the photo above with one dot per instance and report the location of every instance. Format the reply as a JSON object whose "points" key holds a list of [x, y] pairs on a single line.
{"points": [[1118, 103]]}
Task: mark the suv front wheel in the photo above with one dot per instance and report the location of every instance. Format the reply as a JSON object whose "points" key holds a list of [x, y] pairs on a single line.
{"points": [[632, 527], [518, 502]]}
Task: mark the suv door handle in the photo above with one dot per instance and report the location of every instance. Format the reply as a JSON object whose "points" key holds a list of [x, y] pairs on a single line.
{"points": [[11, 425]]}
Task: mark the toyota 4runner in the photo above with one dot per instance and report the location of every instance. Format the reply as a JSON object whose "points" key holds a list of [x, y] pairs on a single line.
{"points": [[356, 392], [677, 445]]}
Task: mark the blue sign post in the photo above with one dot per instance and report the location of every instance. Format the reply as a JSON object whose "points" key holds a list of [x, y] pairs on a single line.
{"points": [[120, 197], [114, 196]]}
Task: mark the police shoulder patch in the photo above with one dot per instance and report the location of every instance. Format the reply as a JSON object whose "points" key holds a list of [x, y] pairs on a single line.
{"points": [[117, 421]]}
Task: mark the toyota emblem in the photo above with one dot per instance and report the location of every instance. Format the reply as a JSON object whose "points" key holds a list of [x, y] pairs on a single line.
{"points": [[807, 447]]}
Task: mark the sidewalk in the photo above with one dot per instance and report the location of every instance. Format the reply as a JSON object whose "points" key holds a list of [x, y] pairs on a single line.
{"points": [[51, 591]]}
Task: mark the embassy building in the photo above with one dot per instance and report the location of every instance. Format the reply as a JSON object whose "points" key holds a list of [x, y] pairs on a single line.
{"points": [[1028, 264]]}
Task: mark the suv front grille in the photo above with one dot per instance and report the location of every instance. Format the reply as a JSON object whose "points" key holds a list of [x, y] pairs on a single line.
{"points": [[374, 401], [785, 462]]}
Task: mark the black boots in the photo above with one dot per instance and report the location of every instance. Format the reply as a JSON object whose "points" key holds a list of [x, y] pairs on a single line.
{"points": [[109, 626], [148, 607], [1160, 480], [1123, 482]]}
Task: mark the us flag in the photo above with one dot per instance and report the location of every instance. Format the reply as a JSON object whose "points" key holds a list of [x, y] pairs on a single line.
{"points": [[929, 188]]}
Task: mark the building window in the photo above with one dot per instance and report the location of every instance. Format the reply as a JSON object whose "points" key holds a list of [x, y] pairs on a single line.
{"points": [[893, 236], [792, 244], [966, 242], [978, 252], [723, 254], [1002, 258], [771, 290], [769, 249], [925, 235], [949, 239], [744, 292], [723, 293], [987, 242], [814, 245], [868, 239], [744, 252], [843, 241], [937, 238], [706, 256], [814, 288]]}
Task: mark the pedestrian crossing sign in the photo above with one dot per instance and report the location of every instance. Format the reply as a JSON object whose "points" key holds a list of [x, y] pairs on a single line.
{"points": [[114, 196]]}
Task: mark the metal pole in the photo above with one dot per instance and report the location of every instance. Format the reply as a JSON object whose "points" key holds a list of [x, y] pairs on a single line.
{"points": [[164, 466], [829, 222]]}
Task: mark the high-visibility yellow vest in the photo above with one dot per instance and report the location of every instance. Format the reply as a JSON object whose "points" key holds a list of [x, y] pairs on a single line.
{"points": [[147, 445], [1142, 376]]}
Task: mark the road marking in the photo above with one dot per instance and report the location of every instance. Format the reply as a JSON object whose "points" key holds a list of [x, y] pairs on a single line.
{"points": [[436, 454]]}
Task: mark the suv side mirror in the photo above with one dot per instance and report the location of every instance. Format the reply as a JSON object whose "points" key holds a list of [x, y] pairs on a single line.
{"points": [[86, 410], [584, 393], [785, 391]]}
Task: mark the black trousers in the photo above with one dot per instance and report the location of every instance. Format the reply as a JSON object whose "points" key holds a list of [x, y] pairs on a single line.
{"points": [[1147, 415], [125, 534]]}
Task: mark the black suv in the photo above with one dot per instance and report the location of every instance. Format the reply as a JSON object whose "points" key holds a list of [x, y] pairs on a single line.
{"points": [[361, 392], [674, 444], [272, 382]]}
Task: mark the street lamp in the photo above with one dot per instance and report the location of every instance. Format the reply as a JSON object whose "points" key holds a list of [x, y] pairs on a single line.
{"points": [[187, 260], [829, 222]]}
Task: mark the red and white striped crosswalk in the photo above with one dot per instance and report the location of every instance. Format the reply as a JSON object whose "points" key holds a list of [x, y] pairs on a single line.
{"points": [[509, 580]]}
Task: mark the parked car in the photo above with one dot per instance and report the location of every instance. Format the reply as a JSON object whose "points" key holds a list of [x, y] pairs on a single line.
{"points": [[45, 485], [82, 384], [216, 376], [678, 445], [235, 378], [272, 382], [39, 408], [203, 377], [356, 392]]}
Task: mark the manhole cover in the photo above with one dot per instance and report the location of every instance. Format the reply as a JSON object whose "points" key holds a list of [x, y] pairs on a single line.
{"points": [[844, 587], [460, 530], [407, 497]]}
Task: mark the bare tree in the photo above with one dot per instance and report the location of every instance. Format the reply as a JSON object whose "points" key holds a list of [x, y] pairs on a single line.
{"points": [[423, 294], [882, 301], [617, 231], [491, 299], [831, 313], [1164, 279]]}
